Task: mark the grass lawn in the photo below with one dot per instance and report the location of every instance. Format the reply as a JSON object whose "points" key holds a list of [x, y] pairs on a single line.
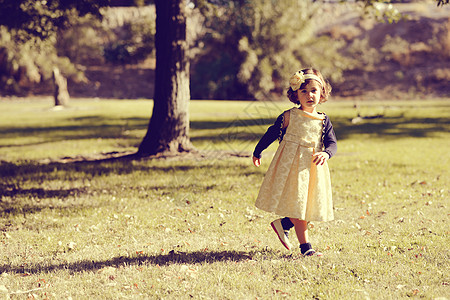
{"points": [[75, 227]]}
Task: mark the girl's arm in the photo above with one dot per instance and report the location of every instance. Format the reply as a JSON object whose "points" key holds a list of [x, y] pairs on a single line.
{"points": [[329, 138], [272, 133], [329, 142]]}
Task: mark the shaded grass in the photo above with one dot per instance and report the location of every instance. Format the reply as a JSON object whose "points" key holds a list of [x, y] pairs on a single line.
{"points": [[182, 228]]}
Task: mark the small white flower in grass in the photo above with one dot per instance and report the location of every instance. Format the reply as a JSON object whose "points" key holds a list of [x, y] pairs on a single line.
{"points": [[184, 268], [107, 270], [192, 272], [71, 245]]}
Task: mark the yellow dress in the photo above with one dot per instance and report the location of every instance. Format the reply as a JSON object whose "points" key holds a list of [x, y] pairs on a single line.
{"points": [[293, 185]]}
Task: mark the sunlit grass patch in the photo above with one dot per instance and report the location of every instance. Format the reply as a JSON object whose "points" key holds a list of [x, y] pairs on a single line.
{"points": [[188, 228]]}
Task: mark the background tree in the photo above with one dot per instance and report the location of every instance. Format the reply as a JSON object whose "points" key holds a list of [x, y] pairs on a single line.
{"points": [[264, 40], [169, 125], [28, 34], [42, 19], [168, 129]]}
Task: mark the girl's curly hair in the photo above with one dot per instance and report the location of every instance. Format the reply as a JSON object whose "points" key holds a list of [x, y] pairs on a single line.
{"points": [[326, 87]]}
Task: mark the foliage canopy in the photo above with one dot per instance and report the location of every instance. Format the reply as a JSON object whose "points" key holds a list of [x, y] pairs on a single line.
{"points": [[261, 45], [44, 17], [264, 44], [28, 39]]}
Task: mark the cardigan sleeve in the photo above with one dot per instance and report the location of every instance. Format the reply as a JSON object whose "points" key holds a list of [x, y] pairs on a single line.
{"points": [[276, 131], [329, 138], [273, 132]]}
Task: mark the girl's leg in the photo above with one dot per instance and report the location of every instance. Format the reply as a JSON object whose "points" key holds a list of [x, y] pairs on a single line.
{"points": [[301, 229], [286, 223]]}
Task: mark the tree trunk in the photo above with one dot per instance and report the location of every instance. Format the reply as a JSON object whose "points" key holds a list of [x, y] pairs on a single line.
{"points": [[168, 128], [61, 94]]}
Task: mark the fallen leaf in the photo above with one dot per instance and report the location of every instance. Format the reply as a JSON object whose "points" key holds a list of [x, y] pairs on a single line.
{"points": [[281, 292]]}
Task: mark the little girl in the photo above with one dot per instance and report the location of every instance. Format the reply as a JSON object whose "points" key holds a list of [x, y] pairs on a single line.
{"points": [[297, 184]]}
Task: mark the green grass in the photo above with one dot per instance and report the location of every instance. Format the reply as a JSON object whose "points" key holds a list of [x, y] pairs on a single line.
{"points": [[187, 228]]}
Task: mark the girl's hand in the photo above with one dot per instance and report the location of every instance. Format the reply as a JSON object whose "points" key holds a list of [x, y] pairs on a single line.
{"points": [[320, 158], [256, 161]]}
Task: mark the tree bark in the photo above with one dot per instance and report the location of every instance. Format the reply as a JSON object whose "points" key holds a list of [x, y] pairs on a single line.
{"points": [[61, 94], [168, 129]]}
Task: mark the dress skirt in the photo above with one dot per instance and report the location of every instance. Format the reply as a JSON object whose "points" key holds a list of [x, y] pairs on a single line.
{"points": [[294, 186]]}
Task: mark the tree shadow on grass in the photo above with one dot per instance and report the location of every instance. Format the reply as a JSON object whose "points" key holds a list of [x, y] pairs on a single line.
{"points": [[387, 127], [120, 164], [19, 208], [392, 127], [197, 257], [39, 193], [16, 199], [100, 165]]}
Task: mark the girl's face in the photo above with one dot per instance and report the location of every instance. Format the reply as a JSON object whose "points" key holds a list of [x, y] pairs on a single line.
{"points": [[309, 96]]}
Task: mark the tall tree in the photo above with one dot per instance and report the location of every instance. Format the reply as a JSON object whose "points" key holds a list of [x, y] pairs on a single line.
{"points": [[42, 19], [28, 34], [168, 129]]}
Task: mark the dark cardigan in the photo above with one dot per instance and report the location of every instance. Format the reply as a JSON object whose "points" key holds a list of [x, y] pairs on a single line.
{"points": [[276, 132]]}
